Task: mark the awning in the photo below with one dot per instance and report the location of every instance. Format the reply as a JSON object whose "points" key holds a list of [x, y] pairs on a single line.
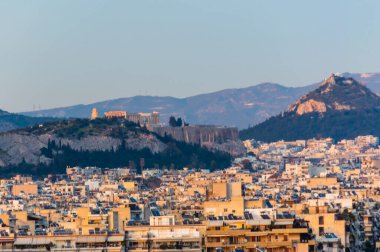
{"points": [[40, 241], [32, 241], [91, 239], [257, 233], [283, 223], [23, 241], [118, 238]]}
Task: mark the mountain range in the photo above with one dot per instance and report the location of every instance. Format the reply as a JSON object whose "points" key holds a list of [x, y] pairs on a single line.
{"points": [[242, 107], [341, 108], [10, 121]]}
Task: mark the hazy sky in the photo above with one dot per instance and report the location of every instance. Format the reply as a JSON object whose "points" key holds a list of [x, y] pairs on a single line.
{"points": [[58, 53]]}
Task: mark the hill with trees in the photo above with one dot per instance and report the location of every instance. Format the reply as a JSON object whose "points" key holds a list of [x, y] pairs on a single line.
{"points": [[339, 108], [106, 143]]}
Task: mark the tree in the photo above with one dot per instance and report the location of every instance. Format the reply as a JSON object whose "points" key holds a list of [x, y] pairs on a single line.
{"points": [[179, 122], [368, 246], [172, 121]]}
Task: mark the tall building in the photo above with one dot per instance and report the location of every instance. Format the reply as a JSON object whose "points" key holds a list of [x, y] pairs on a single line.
{"points": [[94, 114]]}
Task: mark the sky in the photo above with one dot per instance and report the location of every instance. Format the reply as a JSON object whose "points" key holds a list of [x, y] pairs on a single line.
{"points": [[65, 52]]}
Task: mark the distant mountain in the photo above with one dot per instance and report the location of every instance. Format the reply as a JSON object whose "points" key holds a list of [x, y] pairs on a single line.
{"points": [[241, 107], [371, 80], [2, 112], [232, 107], [340, 107], [10, 121]]}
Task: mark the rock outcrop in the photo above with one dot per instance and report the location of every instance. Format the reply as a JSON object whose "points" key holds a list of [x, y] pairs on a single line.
{"points": [[212, 137], [309, 107], [16, 147], [341, 108], [336, 94]]}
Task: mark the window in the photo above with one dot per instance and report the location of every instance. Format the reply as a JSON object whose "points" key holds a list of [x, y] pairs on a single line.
{"points": [[311, 248], [321, 220], [68, 244], [321, 231]]}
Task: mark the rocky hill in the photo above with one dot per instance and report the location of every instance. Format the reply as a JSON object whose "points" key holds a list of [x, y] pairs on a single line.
{"points": [[216, 138], [101, 142], [340, 107], [336, 94]]}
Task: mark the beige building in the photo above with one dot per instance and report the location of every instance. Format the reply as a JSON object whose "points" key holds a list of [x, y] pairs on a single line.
{"points": [[146, 119], [24, 189], [222, 208], [226, 190]]}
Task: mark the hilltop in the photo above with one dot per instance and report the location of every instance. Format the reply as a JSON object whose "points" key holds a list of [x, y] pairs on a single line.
{"points": [[336, 94], [340, 107], [49, 148]]}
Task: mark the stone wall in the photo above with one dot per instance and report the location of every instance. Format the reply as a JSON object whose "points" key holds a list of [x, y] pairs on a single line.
{"points": [[212, 137], [200, 134]]}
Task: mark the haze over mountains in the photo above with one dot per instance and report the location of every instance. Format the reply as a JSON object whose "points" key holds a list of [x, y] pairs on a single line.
{"points": [[341, 108], [232, 107], [241, 107], [10, 121]]}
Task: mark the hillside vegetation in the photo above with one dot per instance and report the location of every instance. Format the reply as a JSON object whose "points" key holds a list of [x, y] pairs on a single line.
{"points": [[68, 144], [338, 125], [339, 108]]}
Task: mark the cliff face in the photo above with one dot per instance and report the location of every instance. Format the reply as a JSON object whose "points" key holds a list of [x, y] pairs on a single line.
{"points": [[309, 107], [219, 138], [16, 147], [336, 94], [105, 143], [200, 134], [341, 108]]}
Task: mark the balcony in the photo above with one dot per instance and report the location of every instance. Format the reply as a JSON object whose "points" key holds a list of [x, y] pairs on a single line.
{"points": [[214, 244], [214, 223], [271, 244], [231, 232], [289, 231], [368, 229], [327, 239], [163, 250]]}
